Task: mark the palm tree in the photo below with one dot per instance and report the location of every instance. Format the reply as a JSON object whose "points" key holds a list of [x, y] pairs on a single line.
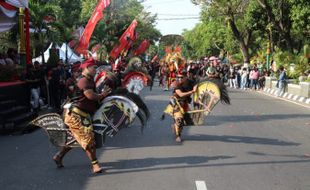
{"points": [[39, 11]]}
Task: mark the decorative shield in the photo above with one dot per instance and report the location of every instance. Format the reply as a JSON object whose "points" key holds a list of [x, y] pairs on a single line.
{"points": [[135, 82], [206, 97], [115, 113], [59, 135]]}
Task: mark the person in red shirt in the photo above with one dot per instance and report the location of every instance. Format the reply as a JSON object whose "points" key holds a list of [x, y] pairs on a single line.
{"points": [[78, 117]]}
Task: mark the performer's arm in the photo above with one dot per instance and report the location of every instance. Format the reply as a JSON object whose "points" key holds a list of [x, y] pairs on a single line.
{"points": [[90, 94], [184, 94]]}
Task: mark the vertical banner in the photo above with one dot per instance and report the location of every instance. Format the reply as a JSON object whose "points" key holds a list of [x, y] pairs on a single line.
{"points": [[116, 51], [27, 28], [97, 15], [127, 38], [145, 44]]}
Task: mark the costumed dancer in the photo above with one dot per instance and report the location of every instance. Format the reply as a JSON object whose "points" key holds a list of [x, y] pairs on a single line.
{"points": [[78, 116], [180, 103], [172, 73], [164, 76]]}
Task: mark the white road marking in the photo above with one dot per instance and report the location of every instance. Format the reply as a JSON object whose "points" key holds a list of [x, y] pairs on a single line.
{"points": [[201, 185]]}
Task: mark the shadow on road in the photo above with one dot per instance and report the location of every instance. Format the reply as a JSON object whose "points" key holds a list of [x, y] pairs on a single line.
{"points": [[151, 162], [119, 166], [240, 139], [217, 120], [278, 155]]}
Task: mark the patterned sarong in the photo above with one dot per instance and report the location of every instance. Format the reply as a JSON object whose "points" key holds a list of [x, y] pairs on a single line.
{"points": [[80, 125]]}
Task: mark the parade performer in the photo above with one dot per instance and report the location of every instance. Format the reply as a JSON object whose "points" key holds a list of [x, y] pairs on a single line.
{"points": [[164, 76], [78, 116], [180, 103], [136, 76], [206, 94], [78, 127], [176, 64]]}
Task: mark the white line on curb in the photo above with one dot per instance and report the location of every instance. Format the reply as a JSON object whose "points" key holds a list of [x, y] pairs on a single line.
{"points": [[286, 100], [201, 185]]}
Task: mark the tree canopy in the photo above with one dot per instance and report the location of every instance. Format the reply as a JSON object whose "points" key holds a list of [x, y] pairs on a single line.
{"points": [[248, 27]]}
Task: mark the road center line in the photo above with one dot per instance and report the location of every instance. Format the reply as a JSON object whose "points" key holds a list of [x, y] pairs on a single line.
{"points": [[201, 185]]}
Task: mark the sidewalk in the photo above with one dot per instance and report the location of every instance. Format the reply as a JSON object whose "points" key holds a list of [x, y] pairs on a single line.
{"points": [[302, 101]]}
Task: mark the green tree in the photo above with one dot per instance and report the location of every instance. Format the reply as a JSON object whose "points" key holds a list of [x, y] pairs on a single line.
{"points": [[236, 16], [42, 29]]}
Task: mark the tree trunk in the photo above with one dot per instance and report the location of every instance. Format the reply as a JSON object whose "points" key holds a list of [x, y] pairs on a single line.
{"points": [[245, 53], [243, 46]]}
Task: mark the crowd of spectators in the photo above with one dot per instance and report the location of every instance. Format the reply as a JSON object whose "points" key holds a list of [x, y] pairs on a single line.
{"points": [[243, 76]]}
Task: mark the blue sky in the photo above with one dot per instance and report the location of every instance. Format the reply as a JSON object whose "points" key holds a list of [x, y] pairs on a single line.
{"points": [[168, 9]]}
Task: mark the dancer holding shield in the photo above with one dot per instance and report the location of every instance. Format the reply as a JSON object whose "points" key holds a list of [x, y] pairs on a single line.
{"points": [[78, 116]]}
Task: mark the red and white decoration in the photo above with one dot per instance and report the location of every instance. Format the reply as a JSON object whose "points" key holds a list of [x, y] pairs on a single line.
{"points": [[135, 82], [8, 10]]}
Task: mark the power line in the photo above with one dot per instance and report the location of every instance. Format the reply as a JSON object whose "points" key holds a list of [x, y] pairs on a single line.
{"points": [[164, 2], [184, 18], [164, 14]]}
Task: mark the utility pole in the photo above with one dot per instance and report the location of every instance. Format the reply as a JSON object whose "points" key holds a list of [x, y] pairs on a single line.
{"points": [[268, 56]]}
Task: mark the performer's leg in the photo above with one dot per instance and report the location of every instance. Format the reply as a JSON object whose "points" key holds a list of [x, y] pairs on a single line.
{"points": [[59, 156], [91, 153], [178, 127]]}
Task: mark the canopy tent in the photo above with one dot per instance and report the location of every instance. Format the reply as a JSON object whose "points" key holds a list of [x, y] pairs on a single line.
{"points": [[72, 57], [16, 3], [6, 23]]}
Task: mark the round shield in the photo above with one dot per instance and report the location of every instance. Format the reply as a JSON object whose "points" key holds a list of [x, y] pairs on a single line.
{"points": [[205, 98], [115, 113]]}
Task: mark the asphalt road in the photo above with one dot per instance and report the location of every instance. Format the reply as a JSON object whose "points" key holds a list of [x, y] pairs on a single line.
{"points": [[257, 143]]}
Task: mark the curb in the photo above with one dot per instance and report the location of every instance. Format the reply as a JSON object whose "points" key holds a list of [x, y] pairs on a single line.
{"points": [[288, 96]]}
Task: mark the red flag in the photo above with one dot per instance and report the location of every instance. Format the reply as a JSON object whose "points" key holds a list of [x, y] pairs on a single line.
{"points": [[125, 40], [129, 34], [145, 44], [129, 44], [117, 50], [97, 15]]}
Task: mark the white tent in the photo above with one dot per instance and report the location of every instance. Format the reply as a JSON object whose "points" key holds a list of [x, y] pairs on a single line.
{"points": [[72, 57]]}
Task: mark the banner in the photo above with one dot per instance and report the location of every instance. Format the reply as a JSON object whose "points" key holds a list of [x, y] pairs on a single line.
{"points": [[125, 40], [129, 34], [97, 15], [117, 49], [145, 44]]}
